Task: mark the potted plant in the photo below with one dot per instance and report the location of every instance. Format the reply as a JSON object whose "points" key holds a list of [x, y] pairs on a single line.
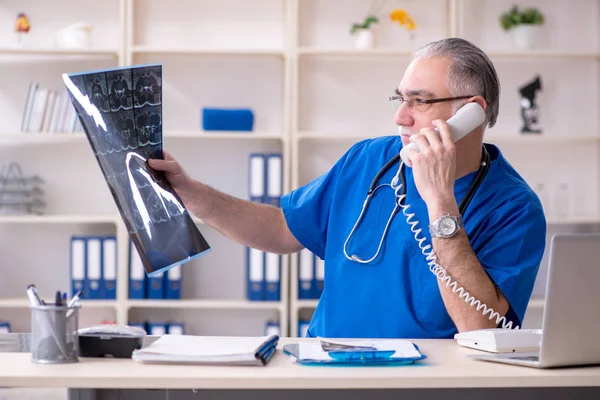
{"points": [[364, 33], [525, 25]]}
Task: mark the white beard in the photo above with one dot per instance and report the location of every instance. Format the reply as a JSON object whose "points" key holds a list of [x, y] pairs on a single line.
{"points": [[403, 130]]}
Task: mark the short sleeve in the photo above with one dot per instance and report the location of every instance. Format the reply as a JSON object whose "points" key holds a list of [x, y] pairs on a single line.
{"points": [[307, 208], [515, 240]]}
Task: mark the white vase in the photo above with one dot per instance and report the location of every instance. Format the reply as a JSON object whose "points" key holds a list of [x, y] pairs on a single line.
{"points": [[75, 36], [364, 39], [526, 37]]}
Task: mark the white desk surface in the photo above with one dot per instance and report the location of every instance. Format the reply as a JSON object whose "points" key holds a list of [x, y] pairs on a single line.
{"points": [[447, 366]]}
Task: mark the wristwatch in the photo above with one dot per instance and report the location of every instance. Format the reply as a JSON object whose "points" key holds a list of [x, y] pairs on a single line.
{"points": [[446, 226]]}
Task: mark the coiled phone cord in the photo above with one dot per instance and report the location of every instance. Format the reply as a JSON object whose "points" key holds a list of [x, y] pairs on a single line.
{"points": [[434, 267]]}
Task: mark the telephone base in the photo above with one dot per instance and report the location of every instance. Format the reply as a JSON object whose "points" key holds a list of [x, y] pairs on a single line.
{"points": [[497, 340]]}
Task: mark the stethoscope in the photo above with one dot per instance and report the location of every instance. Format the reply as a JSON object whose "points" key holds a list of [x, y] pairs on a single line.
{"points": [[400, 192]]}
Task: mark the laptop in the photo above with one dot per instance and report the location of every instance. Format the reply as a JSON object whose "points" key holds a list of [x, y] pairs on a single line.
{"points": [[570, 324]]}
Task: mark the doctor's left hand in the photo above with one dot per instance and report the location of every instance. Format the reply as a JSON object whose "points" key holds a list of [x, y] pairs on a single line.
{"points": [[434, 167]]}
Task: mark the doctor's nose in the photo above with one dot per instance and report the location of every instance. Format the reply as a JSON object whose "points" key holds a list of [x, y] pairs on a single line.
{"points": [[403, 116]]}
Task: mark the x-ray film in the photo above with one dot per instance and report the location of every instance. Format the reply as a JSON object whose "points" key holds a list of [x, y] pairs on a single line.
{"points": [[121, 113]]}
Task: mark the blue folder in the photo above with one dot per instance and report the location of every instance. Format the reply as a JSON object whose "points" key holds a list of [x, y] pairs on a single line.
{"points": [[350, 356]]}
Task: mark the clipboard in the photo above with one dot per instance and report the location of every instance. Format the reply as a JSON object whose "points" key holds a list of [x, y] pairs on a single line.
{"points": [[361, 357]]}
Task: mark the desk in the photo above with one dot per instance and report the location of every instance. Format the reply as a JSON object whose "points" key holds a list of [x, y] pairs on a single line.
{"points": [[447, 367]]}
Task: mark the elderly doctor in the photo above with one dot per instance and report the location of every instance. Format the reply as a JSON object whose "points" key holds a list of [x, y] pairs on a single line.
{"points": [[483, 222]]}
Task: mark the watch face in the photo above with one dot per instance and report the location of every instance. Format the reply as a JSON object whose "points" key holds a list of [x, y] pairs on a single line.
{"points": [[447, 226]]}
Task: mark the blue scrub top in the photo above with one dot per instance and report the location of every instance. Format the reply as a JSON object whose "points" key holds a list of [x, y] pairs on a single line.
{"points": [[396, 295]]}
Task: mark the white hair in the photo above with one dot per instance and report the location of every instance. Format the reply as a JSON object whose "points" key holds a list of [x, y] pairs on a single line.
{"points": [[472, 72]]}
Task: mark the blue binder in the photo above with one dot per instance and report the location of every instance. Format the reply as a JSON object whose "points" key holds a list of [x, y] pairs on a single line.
{"points": [[139, 325], [274, 179], [109, 267], [175, 329], [157, 328], [272, 276], [92, 289], [319, 277], [173, 283], [77, 264], [257, 175], [272, 328], [303, 328], [4, 327], [306, 274], [137, 275], [255, 260], [156, 286]]}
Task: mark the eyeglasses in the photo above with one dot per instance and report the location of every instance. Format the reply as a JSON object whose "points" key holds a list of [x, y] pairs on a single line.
{"points": [[417, 104]]}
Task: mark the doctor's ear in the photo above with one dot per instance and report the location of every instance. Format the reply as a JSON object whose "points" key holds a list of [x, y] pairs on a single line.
{"points": [[480, 100]]}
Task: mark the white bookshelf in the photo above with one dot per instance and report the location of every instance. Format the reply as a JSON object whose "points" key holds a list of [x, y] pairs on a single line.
{"points": [[314, 95]]}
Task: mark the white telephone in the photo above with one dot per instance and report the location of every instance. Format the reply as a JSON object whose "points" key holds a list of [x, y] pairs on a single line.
{"points": [[467, 118]]}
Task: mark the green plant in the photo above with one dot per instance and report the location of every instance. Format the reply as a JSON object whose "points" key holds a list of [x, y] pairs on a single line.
{"points": [[369, 20], [515, 17]]}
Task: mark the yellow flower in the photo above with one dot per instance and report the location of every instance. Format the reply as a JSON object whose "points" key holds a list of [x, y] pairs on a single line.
{"points": [[403, 19]]}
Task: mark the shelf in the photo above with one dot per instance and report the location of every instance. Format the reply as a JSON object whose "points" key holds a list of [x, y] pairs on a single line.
{"points": [[407, 53], [221, 135], [306, 304], [42, 137], [312, 303], [40, 51], [24, 303], [343, 137], [543, 54], [537, 139], [56, 137], [58, 219], [583, 219], [208, 52], [495, 138], [354, 52], [207, 304]]}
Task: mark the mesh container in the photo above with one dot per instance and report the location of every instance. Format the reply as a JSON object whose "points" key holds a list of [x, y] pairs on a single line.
{"points": [[54, 337]]}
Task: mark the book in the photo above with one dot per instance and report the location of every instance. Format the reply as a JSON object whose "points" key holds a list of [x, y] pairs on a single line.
{"points": [[208, 350]]}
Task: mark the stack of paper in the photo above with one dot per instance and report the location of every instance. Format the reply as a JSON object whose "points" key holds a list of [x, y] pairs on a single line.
{"points": [[355, 351], [213, 350]]}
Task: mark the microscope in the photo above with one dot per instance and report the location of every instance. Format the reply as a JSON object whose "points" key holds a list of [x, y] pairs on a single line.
{"points": [[529, 108]]}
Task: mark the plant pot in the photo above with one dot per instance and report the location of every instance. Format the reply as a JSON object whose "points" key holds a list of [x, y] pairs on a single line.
{"points": [[75, 36], [526, 37], [364, 39]]}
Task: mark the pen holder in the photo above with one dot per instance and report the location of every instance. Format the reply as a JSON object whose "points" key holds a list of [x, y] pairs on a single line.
{"points": [[54, 337]]}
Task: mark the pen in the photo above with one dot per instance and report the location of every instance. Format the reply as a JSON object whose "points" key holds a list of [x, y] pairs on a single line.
{"points": [[72, 303], [58, 299], [75, 299], [33, 296]]}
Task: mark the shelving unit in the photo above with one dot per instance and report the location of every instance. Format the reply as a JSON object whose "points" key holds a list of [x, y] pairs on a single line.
{"points": [[314, 95]]}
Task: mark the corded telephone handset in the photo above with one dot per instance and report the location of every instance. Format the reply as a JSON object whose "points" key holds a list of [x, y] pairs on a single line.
{"points": [[467, 118]]}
